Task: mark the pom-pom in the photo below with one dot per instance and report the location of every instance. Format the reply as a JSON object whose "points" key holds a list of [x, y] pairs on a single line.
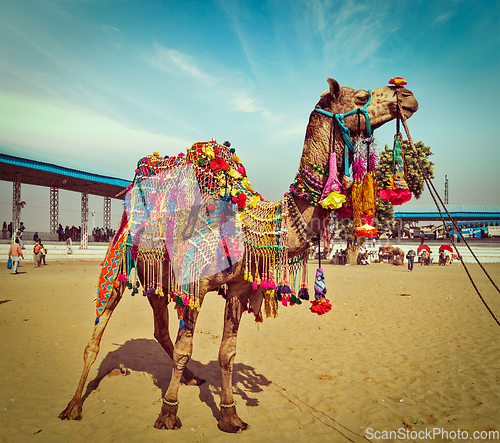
{"points": [[333, 201], [254, 285], [304, 293], [181, 324], [242, 199], [227, 144], [320, 306], [285, 289]]}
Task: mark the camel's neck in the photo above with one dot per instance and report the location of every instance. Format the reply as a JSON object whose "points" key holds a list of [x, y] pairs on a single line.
{"points": [[318, 145]]}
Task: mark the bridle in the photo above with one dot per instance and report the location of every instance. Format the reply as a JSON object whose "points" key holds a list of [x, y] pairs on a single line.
{"points": [[346, 134]]}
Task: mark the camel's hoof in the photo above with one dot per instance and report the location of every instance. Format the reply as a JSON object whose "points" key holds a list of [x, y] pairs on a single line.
{"points": [[168, 418], [230, 422], [73, 411]]}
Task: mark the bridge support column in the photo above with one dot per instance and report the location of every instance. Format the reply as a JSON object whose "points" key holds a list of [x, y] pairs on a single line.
{"points": [[54, 209], [107, 213], [16, 206], [85, 221]]}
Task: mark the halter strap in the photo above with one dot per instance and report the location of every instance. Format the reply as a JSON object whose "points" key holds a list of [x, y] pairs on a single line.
{"points": [[346, 134]]}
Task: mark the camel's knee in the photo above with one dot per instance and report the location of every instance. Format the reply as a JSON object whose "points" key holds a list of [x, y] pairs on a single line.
{"points": [[226, 360], [180, 361], [90, 353]]}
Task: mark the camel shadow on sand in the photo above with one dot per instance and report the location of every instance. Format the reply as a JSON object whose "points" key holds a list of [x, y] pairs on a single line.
{"points": [[146, 355]]}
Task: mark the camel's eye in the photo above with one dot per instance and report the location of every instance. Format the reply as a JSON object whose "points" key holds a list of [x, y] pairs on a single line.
{"points": [[361, 97]]}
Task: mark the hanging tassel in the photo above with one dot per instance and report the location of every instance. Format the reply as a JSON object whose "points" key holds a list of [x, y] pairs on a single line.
{"points": [[304, 293], [320, 305]]}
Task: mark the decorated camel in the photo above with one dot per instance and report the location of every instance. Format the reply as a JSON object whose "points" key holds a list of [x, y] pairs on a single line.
{"points": [[193, 225]]}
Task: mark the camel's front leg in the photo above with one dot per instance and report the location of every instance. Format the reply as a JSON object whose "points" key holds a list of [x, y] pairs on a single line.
{"points": [[160, 312], [230, 422], [183, 350], [74, 409]]}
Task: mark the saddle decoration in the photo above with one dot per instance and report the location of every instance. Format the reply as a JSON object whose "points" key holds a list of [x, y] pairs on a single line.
{"points": [[191, 216]]}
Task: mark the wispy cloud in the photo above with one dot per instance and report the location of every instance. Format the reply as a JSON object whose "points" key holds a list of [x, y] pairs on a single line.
{"points": [[227, 87], [110, 29], [173, 61], [246, 103], [442, 18]]}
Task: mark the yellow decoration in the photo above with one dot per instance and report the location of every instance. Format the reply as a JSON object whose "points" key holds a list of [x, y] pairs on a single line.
{"points": [[236, 159], [333, 201], [246, 183], [208, 151], [156, 154], [233, 173], [254, 200]]}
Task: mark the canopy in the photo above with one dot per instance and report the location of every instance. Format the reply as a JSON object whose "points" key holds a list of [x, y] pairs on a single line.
{"points": [[421, 247], [445, 248]]}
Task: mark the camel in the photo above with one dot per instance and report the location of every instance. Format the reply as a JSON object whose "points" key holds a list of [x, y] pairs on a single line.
{"points": [[394, 252], [303, 231]]}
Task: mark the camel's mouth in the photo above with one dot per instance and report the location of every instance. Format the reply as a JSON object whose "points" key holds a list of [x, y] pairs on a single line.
{"points": [[412, 108]]}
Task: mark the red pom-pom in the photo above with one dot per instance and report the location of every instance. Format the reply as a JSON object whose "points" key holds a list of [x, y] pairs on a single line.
{"points": [[242, 199], [214, 165], [320, 307]]}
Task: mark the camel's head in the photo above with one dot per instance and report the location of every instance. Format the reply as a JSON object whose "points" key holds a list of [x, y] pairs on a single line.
{"points": [[382, 107]]}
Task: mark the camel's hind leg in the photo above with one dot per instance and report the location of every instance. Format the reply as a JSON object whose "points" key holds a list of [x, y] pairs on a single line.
{"points": [[74, 409], [160, 313]]}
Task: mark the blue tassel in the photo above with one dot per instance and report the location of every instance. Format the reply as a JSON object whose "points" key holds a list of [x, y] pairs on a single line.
{"points": [[97, 320], [181, 324]]}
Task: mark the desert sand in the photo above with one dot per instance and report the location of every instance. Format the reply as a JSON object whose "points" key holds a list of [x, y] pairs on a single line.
{"points": [[399, 351]]}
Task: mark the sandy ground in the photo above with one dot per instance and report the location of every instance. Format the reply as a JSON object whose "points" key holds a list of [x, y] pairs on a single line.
{"points": [[399, 351]]}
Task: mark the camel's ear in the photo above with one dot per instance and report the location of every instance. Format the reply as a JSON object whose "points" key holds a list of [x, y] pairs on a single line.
{"points": [[335, 91]]}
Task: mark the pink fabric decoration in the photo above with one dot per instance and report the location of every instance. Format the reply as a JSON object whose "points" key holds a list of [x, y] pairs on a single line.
{"points": [[332, 184]]}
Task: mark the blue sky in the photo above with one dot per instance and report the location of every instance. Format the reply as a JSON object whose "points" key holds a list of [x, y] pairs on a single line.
{"points": [[107, 82]]}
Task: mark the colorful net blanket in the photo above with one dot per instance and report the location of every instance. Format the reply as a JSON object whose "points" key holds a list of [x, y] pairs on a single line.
{"points": [[192, 216]]}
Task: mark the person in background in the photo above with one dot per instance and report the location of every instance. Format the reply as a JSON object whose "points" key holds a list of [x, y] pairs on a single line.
{"points": [[35, 237], [4, 230], [15, 254], [410, 256], [19, 236], [36, 255], [43, 253]]}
